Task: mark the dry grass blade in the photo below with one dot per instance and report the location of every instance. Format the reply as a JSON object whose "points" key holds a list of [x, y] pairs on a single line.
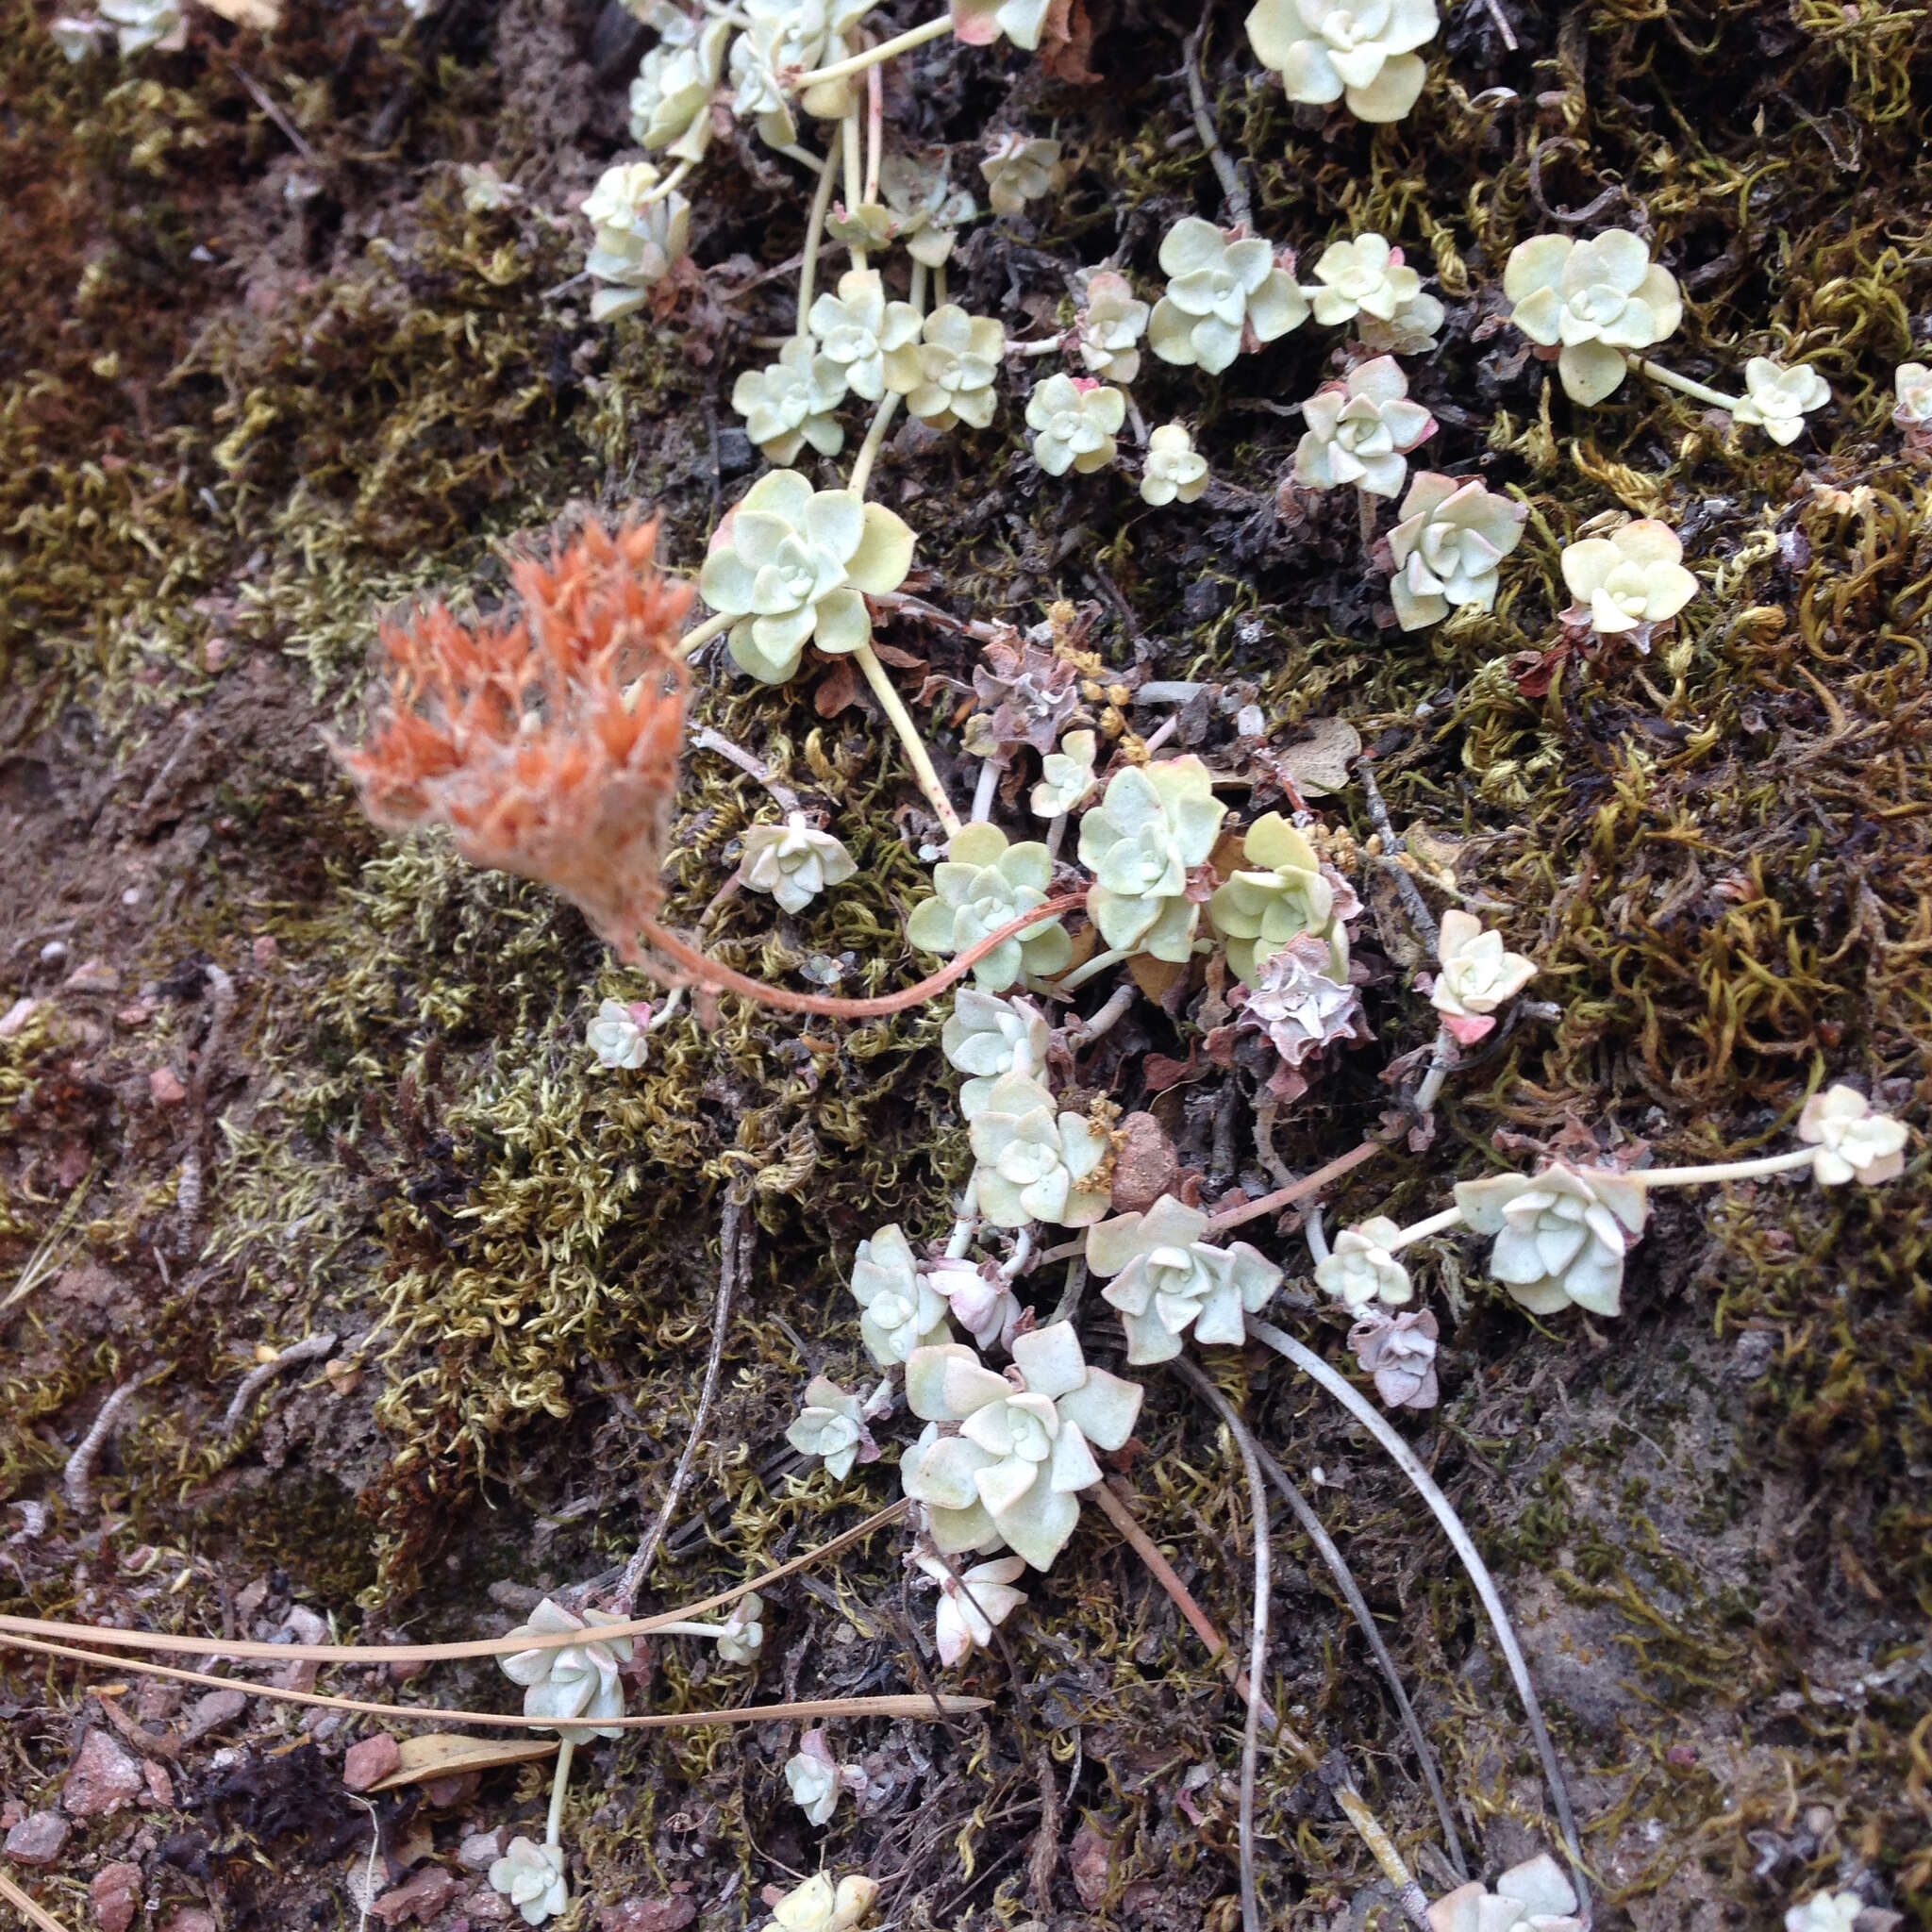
{"points": [[934, 1706], [443, 1754], [1404, 1460], [429, 1653], [735, 1239], [35, 1915]]}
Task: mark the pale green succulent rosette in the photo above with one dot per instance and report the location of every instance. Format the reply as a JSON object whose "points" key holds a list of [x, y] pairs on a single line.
{"points": [[1153, 826], [982, 885]]}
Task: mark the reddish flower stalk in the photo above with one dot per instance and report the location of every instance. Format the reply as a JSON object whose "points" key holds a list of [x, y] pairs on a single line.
{"points": [[549, 746]]}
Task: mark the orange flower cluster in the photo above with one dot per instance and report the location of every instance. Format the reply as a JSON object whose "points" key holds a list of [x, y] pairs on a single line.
{"points": [[549, 744]]}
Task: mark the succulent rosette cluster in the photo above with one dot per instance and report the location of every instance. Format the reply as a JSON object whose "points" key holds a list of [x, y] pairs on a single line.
{"points": [[1588, 302], [1154, 825], [984, 883], [1166, 1279]]}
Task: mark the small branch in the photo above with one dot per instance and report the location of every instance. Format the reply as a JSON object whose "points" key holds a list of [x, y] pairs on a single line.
{"points": [[695, 639], [1441, 1063], [704, 738], [916, 754], [1285, 1197], [311, 1348], [1093, 968], [1502, 21], [77, 1480], [1234, 192], [1085, 1032], [1406, 1459], [1418, 907], [1143, 1546], [735, 1241], [1369, 1828]]}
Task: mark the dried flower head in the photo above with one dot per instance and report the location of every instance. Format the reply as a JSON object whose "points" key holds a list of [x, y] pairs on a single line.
{"points": [[1027, 696], [548, 744]]}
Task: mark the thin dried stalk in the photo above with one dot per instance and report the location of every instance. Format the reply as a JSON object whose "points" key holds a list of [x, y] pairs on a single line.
{"points": [[735, 1239], [931, 1706], [1299, 1190], [431, 1653], [42, 1920], [1406, 1459]]}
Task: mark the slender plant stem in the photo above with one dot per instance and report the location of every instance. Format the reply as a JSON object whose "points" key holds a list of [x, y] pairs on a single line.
{"points": [[1406, 1459], [553, 1830], [1422, 1230], [814, 233], [1317, 1533], [1670, 380], [1044, 347], [713, 973], [1726, 1170], [704, 738], [874, 129], [1091, 969], [734, 1259], [1442, 1063], [874, 440], [1085, 1032], [985, 791], [670, 185], [1298, 1191], [855, 171], [871, 56], [693, 641], [916, 754]]}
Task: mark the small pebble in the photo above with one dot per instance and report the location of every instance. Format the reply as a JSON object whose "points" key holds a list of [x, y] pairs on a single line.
{"points": [[371, 1761], [38, 1840]]}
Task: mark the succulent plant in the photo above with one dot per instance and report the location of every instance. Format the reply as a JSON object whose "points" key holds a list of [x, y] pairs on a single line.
{"points": [[1035, 1163], [1854, 1143], [948, 374], [899, 1310], [531, 1876], [858, 327], [1631, 579], [1302, 1009], [979, 23], [794, 862], [972, 1603], [1018, 170], [1165, 1279], [789, 403], [1359, 1271], [1066, 776], [978, 1297], [1361, 429], [1107, 330], [789, 563], [1153, 826], [1074, 421], [832, 1425], [1535, 1896], [1362, 277], [1173, 472], [1777, 400], [1398, 1353], [1014, 1470], [818, 1779], [985, 1037], [1825, 1911], [816, 1907], [1589, 301], [1453, 534], [927, 211], [618, 1035], [784, 38], [744, 1633], [1281, 892], [1477, 975], [981, 885], [139, 24], [1362, 51], [1561, 1234], [671, 98], [1911, 383], [1026, 694], [1224, 292], [573, 1680], [636, 241]]}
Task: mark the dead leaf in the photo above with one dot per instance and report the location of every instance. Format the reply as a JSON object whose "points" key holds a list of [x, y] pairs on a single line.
{"points": [[444, 1753], [1155, 977], [1229, 854], [1318, 764], [837, 691], [1067, 43], [901, 661]]}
